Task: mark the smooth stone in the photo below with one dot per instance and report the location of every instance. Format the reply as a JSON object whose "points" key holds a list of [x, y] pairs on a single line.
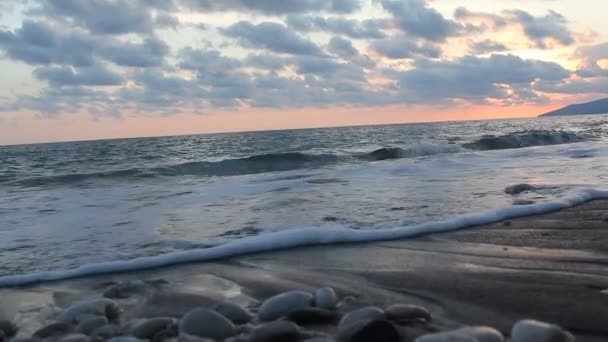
{"points": [[535, 331], [190, 338], [86, 326], [445, 337], [3, 337], [98, 307], [312, 316], [234, 312], [206, 323], [378, 330], [284, 303], [368, 313], [482, 334], [147, 328], [74, 338], [319, 339], [326, 298], [407, 312], [124, 339], [125, 289], [53, 329], [8, 328], [281, 331], [106, 331]]}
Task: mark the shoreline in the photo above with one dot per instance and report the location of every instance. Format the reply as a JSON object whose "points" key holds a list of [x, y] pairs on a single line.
{"points": [[550, 267], [321, 236]]}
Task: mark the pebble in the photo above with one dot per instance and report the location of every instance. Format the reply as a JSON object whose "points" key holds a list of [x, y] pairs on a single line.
{"points": [[8, 328], [535, 331], [147, 328], [466, 334], [363, 314], [53, 330], [325, 298], [407, 312], [98, 307], [234, 312], [378, 330], [74, 338], [190, 338], [106, 332], [280, 331], [125, 289], [312, 316], [124, 339], [206, 323], [284, 303], [86, 326]]}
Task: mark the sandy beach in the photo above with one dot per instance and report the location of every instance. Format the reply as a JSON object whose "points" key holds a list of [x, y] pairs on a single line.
{"points": [[550, 267]]}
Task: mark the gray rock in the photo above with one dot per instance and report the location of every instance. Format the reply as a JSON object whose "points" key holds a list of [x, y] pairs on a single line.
{"points": [[8, 328], [74, 338], [125, 289], [377, 330], [281, 331], [326, 298], [106, 332], [535, 331], [125, 339], [3, 337], [284, 303], [466, 334], [407, 312], [148, 328], [319, 339], [519, 188], [368, 313], [234, 312], [190, 338], [97, 307], [86, 326], [312, 316], [53, 330], [206, 323]]}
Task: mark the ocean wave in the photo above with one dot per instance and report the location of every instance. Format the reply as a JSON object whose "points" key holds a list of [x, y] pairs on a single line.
{"points": [[262, 163], [525, 139], [304, 237]]}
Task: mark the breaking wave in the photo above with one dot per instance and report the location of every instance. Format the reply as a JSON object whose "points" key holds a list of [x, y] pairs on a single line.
{"points": [[525, 139]]}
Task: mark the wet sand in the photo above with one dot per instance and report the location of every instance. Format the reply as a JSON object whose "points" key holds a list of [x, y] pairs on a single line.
{"points": [[551, 267]]}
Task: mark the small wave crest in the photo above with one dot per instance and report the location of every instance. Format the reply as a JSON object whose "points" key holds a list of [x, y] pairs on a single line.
{"points": [[262, 163], [304, 237], [525, 139]]}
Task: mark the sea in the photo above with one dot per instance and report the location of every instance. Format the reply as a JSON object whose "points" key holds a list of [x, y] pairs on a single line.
{"points": [[77, 208]]}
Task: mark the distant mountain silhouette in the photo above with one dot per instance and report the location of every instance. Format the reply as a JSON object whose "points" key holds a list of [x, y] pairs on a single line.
{"points": [[593, 107]]}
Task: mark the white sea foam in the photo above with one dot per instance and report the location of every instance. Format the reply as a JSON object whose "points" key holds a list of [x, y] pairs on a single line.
{"points": [[306, 237]]}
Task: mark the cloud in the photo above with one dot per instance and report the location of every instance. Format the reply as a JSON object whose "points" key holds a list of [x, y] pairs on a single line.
{"points": [[342, 47], [102, 16], [271, 36], [365, 29], [417, 19], [93, 76], [487, 46], [150, 52], [473, 78], [540, 30], [273, 7], [403, 47]]}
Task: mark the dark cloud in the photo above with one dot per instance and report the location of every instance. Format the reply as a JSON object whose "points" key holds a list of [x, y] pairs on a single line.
{"points": [[577, 86], [150, 52], [552, 26], [271, 36], [473, 78], [38, 43], [68, 76], [274, 7], [205, 60], [102, 16], [417, 19], [266, 61], [365, 29], [342, 47], [403, 47], [487, 46]]}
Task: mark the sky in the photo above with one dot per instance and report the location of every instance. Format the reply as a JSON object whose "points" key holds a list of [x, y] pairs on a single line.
{"points": [[95, 69]]}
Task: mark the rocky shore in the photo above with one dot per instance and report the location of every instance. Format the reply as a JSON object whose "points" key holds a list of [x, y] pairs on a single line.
{"points": [[285, 317], [491, 283]]}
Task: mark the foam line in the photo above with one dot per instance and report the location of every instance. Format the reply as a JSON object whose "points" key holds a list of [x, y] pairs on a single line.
{"points": [[305, 237]]}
